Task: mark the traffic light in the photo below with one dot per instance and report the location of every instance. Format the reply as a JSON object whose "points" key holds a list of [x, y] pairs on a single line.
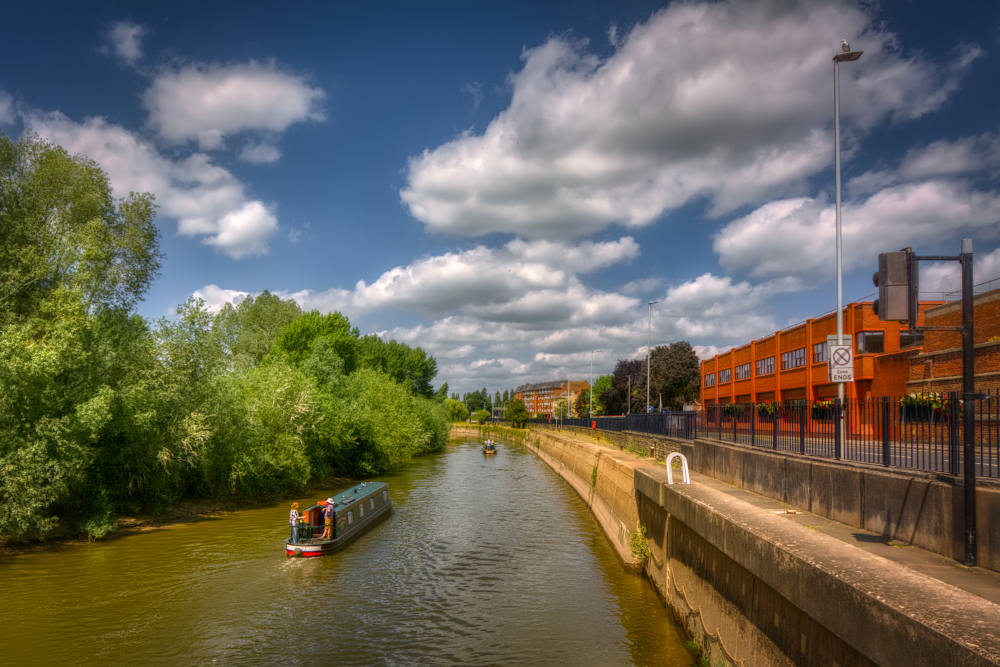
{"points": [[896, 280]]}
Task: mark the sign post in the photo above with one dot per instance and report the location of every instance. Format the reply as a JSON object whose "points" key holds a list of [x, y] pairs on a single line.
{"points": [[840, 369]]}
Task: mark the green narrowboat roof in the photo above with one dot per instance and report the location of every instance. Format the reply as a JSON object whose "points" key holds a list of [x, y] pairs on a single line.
{"points": [[363, 490]]}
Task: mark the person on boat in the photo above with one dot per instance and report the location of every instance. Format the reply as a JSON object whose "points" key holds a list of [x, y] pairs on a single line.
{"points": [[293, 521], [327, 520]]}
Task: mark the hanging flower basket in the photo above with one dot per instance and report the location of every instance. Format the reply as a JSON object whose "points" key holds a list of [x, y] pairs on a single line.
{"points": [[823, 409], [768, 411]]}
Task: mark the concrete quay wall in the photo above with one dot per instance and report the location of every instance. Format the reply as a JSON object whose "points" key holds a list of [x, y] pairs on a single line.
{"points": [[913, 507], [756, 589]]}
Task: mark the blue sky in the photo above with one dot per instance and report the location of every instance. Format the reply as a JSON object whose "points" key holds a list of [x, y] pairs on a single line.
{"points": [[506, 184]]}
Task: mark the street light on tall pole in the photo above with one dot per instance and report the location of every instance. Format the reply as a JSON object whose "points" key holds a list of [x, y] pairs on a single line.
{"points": [[649, 331], [845, 56], [592, 381]]}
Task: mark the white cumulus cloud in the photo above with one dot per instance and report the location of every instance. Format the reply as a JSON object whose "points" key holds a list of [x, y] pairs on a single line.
{"points": [[207, 102], [689, 105], [126, 41], [206, 200]]}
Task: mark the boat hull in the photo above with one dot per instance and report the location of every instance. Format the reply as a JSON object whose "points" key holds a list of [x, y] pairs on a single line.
{"points": [[316, 547]]}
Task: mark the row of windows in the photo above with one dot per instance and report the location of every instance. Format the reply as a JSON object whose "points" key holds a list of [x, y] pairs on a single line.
{"points": [[793, 359], [868, 342], [765, 366], [725, 375]]}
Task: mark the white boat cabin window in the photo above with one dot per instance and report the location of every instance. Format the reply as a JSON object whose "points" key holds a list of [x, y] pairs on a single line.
{"points": [[371, 503], [350, 518], [385, 496], [361, 510]]}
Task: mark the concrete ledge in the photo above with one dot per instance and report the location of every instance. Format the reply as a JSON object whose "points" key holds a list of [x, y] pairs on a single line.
{"points": [[887, 612]]}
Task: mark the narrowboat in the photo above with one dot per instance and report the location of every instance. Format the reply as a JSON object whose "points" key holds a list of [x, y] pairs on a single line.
{"points": [[356, 510], [489, 448]]}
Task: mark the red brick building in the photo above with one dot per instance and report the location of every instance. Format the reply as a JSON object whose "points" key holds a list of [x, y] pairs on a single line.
{"points": [[937, 366], [542, 397], [792, 364]]}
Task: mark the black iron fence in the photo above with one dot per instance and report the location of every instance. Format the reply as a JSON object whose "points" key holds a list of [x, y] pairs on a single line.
{"points": [[924, 432], [920, 432], [682, 425]]}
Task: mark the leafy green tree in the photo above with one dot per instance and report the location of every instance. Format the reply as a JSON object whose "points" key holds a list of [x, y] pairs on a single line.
{"points": [[581, 407], [481, 416], [249, 328], [411, 367], [442, 393], [296, 339], [73, 261], [61, 228], [516, 413], [378, 415], [456, 410], [601, 385]]}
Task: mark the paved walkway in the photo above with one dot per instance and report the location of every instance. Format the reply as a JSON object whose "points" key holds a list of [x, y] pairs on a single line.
{"points": [[975, 580]]}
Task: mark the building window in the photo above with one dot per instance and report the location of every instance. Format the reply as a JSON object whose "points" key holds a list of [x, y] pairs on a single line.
{"points": [[725, 375], [819, 352], [743, 372], [765, 366], [710, 380], [910, 340], [793, 359], [871, 342]]}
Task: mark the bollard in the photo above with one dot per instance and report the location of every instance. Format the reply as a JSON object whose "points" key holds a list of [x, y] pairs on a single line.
{"points": [[684, 468]]}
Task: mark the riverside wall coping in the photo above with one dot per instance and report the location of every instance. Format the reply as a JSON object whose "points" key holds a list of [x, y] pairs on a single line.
{"points": [[888, 612]]}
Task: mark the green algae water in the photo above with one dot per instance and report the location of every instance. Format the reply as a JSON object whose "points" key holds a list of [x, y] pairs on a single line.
{"points": [[485, 561]]}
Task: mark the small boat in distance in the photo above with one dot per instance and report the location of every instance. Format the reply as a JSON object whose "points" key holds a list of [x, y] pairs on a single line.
{"points": [[356, 510], [489, 447]]}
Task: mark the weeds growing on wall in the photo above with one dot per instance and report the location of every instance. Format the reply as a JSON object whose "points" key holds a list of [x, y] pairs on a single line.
{"points": [[638, 545], [593, 476]]}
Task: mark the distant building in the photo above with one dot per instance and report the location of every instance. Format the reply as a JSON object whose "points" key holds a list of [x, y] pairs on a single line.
{"points": [[543, 397]]}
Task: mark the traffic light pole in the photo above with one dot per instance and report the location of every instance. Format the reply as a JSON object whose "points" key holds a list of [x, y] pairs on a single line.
{"points": [[968, 387]]}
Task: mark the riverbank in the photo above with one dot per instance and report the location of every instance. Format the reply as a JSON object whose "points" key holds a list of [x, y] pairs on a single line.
{"points": [[186, 511]]}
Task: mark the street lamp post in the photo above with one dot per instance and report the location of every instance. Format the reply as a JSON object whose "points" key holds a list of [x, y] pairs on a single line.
{"points": [[846, 55], [649, 330], [592, 381]]}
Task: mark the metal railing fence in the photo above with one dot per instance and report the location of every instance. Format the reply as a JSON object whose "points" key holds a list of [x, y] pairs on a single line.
{"points": [[921, 433], [683, 425]]}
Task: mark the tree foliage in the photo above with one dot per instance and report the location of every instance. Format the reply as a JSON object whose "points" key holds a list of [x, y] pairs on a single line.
{"points": [[103, 413], [516, 413]]}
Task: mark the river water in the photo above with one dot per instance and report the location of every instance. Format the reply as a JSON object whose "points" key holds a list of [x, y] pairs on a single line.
{"points": [[485, 561]]}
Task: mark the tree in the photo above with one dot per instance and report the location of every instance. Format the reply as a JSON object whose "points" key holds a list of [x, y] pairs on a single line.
{"points": [[296, 339], [675, 374], [411, 367], [61, 228], [481, 416], [581, 407], [442, 393], [516, 413], [616, 399], [562, 409], [601, 385], [456, 410], [248, 329]]}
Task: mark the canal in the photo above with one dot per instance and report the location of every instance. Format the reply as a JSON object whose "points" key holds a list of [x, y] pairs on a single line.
{"points": [[485, 561]]}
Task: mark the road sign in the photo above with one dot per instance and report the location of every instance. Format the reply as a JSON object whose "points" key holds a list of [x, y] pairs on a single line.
{"points": [[841, 364]]}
